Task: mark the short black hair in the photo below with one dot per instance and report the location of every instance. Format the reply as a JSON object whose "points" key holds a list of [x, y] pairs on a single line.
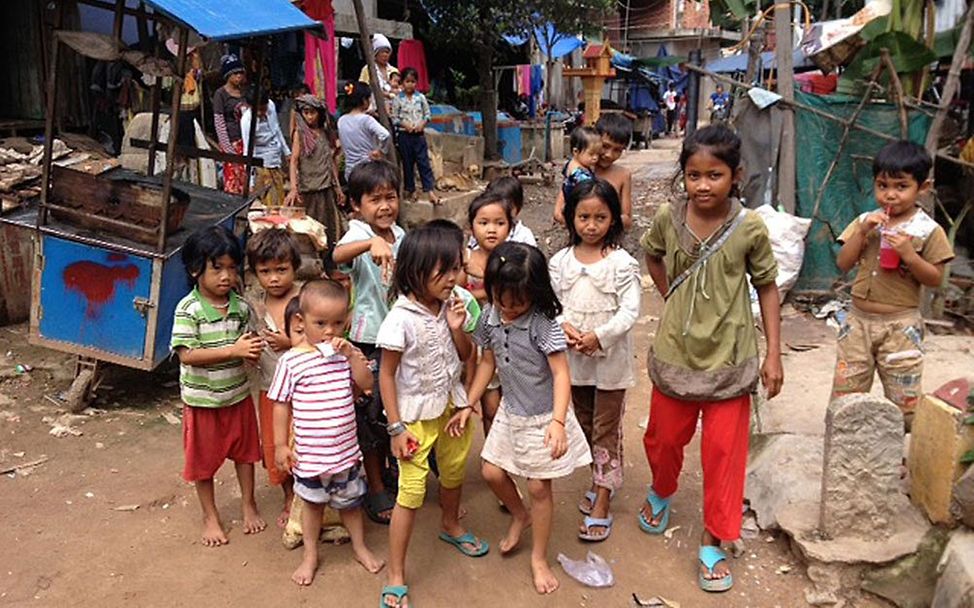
{"points": [[272, 245], [489, 197], [208, 245], [369, 177], [407, 72], [321, 289], [358, 94], [292, 309], [434, 247], [903, 157], [510, 188], [521, 271], [616, 127], [583, 137], [605, 192]]}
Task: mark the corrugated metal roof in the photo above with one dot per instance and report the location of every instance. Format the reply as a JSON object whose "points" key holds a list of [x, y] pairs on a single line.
{"points": [[226, 19]]}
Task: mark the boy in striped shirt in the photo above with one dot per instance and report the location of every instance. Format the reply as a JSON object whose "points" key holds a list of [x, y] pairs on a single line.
{"points": [[208, 335], [313, 382]]}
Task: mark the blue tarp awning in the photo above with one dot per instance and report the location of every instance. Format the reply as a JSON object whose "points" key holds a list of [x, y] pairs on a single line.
{"points": [[738, 63], [562, 43], [224, 20]]}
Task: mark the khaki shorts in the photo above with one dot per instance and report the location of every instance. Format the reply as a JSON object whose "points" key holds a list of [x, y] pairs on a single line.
{"points": [[891, 344]]}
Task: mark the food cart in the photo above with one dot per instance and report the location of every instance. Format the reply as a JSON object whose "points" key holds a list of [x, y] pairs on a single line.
{"points": [[107, 271]]}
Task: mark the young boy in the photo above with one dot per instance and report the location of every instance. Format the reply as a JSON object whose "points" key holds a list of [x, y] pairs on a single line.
{"points": [[367, 252], [313, 384], [616, 132], [275, 259], [899, 249], [209, 337]]}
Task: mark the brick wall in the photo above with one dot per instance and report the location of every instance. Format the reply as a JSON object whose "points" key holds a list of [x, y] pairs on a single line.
{"points": [[696, 15], [650, 14]]}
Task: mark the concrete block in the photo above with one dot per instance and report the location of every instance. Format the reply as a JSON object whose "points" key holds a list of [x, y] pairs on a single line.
{"points": [[451, 153], [939, 438], [910, 582], [453, 206], [955, 589]]}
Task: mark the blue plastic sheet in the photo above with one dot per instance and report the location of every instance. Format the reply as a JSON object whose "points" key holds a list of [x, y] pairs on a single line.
{"points": [[221, 20]]}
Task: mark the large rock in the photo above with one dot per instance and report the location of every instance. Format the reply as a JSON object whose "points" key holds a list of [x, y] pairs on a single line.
{"points": [[782, 470], [910, 581], [955, 589], [939, 438], [962, 501], [861, 469]]}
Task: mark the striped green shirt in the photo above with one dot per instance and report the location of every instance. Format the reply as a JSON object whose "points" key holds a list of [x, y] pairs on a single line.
{"points": [[198, 324]]}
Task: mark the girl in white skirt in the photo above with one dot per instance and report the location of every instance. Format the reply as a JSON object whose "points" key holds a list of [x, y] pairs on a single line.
{"points": [[535, 434]]}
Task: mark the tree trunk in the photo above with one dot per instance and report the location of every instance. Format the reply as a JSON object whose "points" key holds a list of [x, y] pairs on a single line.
{"points": [[488, 100]]}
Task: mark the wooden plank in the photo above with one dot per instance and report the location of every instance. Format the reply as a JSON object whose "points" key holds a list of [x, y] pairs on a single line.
{"points": [[191, 152], [786, 88], [167, 178]]}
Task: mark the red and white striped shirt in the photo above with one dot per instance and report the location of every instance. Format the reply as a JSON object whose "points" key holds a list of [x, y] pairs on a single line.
{"points": [[319, 389]]}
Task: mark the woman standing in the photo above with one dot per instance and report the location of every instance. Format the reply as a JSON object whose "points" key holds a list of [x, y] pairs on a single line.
{"points": [[229, 101]]}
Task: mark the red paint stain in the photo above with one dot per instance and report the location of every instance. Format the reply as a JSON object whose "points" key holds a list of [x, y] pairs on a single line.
{"points": [[96, 282], [117, 257]]}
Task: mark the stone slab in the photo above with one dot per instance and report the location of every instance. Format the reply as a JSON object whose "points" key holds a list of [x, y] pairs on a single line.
{"points": [[453, 206], [955, 589], [910, 582], [782, 470], [962, 499], [938, 440], [451, 153]]}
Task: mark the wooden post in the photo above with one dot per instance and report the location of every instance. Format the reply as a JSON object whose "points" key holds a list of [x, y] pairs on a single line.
{"points": [[50, 111], [786, 88], [253, 117], [117, 22], [154, 108], [177, 89], [693, 92], [365, 39], [953, 82]]}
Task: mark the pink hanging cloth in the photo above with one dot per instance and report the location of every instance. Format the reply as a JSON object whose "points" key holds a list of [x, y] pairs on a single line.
{"points": [[413, 55], [320, 62]]}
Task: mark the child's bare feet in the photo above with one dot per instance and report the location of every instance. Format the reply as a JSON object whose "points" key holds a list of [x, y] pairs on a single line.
{"points": [[510, 541], [283, 518], [213, 534], [544, 579], [253, 522], [305, 573], [368, 560]]}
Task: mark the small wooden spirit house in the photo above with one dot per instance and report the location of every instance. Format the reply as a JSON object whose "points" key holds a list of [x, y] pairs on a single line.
{"points": [[598, 67]]}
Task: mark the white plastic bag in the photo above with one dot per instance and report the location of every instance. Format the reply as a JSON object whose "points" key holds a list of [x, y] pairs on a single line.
{"points": [[787, 234], [594, 571]]}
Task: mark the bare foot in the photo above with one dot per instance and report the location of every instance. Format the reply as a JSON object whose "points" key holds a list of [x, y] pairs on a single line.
{"points": [[544, 579], [213, 534], [253, 522], [510, 542], [305, 573], [368, 560], [283, 518]]}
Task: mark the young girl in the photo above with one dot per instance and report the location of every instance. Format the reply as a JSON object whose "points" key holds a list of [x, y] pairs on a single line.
{"points": [[490, 217], [423, 344], [228, 104], [599, 285], [270, 147], [314, 168], [704, 359], [410, 113], [363, 137], [586, 146], [535, 434]]}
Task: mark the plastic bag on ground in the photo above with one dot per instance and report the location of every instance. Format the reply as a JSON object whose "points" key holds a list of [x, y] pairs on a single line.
{"points": [[593, 572]]}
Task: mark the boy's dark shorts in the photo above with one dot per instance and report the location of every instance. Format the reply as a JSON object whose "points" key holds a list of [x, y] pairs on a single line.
{"points": [[369, 414]]}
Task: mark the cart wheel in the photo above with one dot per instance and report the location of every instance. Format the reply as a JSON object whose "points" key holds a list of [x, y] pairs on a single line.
{"points": [[78, 396]]}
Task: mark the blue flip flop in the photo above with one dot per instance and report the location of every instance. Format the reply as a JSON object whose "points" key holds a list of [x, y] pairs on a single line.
{"points": [[659, 506], [591, 496], [709, 556], [590, 521], [398, 591], [466, 539]]}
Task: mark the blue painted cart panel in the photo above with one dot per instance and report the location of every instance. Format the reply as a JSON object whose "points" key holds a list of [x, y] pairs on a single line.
{"points": [[87, 296], [174, 288]]}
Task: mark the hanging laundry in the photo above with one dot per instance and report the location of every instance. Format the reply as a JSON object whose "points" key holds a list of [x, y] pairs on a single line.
{"points": [[320, 65], [413, 55], [524, 80]]}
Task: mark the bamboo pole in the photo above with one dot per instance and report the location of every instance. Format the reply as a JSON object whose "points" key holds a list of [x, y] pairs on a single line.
{"points": [[784, 67], [177, 89], [50, 112], [953, 81], [248, 165]]}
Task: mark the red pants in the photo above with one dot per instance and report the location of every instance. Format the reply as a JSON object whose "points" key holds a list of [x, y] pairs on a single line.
{"points": [[723, 453]]}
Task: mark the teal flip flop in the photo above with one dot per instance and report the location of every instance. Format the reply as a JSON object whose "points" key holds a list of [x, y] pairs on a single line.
{"points": [[397, 591], [466, 539], [591, 496], [658, 506], [709, 556], [589, 522]]}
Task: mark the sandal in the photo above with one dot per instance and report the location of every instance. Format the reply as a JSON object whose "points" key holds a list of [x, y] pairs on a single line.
{"points": [[397, 591], [660, 507], [374, 504], [590, 496], [468, 538], [591, 522], [710, 556]]}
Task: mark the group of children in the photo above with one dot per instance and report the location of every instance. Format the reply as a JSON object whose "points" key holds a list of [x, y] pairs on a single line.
{"points": [[361, 400]]}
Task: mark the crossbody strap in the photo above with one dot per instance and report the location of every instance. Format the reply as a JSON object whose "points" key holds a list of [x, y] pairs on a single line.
{"points": [[706, 252]]}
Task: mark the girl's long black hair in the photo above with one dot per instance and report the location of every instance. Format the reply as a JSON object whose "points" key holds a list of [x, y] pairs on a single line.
{"points": [[520, 271], [721, 142], [605, 192], [208, 245], [436, 246]]}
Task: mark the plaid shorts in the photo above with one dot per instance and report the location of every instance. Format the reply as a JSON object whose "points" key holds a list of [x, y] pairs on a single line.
{"points": [[341, 491]]}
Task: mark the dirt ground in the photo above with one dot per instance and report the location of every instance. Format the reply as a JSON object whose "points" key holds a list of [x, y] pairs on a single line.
{"points": [[72, 534]]}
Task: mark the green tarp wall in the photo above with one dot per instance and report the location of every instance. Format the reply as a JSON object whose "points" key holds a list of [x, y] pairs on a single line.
{"points": [[850, 190]]}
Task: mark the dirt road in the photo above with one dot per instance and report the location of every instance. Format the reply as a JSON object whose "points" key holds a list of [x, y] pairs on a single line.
{"points": [[71, 534]]}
